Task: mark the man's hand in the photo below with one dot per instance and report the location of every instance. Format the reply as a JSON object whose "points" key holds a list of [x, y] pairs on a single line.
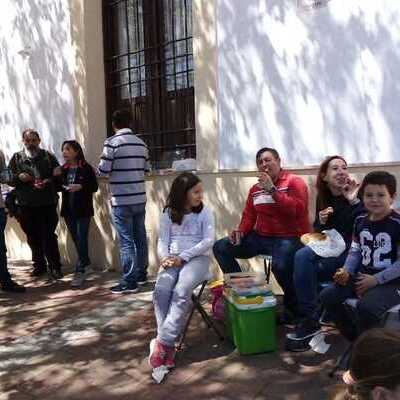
{"points": [[25, 177], [265, 181], [364, 283], [350, 190], [324, 215], [341, 277], [235, 237], [171, 261]]}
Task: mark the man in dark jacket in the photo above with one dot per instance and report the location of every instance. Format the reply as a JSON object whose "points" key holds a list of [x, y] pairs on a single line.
{"points": [[32, 170]]}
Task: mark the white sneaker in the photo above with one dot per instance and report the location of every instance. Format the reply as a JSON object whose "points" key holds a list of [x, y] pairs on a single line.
{"points": [[79, 278]]}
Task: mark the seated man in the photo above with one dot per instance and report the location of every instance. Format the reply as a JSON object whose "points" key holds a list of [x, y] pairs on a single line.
{"points": [[275, 216]]}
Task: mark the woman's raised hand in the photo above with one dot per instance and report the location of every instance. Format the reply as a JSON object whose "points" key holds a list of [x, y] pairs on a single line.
{"points": [[350, 189], [324, 215]]}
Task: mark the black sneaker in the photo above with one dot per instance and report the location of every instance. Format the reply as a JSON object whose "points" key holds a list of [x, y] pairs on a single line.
{"points": [[142, 279], [297, 346], [12, 287], [305, 329], [120, 289]]}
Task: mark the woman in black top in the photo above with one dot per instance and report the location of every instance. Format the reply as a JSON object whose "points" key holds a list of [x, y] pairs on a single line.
{"points": [[337, 207], [79, 183]]}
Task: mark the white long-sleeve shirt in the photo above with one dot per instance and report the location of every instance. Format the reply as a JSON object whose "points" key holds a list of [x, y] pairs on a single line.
{"points": [[193, 237]]}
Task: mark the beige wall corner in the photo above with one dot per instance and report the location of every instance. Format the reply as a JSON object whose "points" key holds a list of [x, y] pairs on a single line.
{"points": [[89, 80], [205, 82]]}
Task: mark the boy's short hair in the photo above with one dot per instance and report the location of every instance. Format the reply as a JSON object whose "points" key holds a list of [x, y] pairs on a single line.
{"points": [[379, 178], [122, 118]]}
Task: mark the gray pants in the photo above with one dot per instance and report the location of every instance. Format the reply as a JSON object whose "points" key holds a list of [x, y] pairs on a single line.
{"points": [[172, 297]]}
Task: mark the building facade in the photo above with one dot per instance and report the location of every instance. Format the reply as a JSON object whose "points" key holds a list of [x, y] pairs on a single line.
{"points": [[208, 80]]}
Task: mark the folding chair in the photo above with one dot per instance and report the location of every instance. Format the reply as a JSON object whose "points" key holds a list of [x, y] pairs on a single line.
{"points": [[391, 319], [267, 266], [196, 298]]}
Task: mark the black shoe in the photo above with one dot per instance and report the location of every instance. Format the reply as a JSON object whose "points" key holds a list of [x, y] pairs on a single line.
{"points": [[303, 333], [12, 287], [297, 346], [305, 329], [120, 289], [56, 273], [38, 271]]}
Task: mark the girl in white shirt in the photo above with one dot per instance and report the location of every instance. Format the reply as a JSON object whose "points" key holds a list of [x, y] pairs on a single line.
{"points": [[186, 236]]}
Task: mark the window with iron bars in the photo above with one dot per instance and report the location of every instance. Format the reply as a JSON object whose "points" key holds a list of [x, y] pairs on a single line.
{"points": [[149, 67]]}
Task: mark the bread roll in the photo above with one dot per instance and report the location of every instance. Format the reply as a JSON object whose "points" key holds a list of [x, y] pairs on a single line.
{"points": [[312, 237]]}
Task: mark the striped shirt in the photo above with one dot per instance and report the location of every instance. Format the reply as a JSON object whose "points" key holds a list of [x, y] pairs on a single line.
{"points": [[125, 160]]}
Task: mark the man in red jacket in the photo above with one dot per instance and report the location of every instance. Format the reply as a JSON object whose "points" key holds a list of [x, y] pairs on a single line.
{"points": [[275, 216]]}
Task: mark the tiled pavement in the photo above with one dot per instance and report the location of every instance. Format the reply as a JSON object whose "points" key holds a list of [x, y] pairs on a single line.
{"points": [[59, 343]]}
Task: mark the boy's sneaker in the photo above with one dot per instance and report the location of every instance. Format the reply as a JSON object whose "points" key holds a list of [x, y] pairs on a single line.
{"points": [[170, 358], [78, 279], [120, 289], [303, 333], [142, 279], [305, 329], [158, 354], [297, 346], [12, 287]]}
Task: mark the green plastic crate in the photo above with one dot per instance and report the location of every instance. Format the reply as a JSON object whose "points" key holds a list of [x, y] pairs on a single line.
{"points": [[251, 330]]}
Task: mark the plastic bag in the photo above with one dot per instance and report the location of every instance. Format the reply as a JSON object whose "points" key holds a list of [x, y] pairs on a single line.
{"points": [[217, 303]]}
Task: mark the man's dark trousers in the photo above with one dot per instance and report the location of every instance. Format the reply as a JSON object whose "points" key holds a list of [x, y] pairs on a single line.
{"points": [[39, 225]]}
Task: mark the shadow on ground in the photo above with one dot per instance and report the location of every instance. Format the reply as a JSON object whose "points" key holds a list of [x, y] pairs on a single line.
{"points": [[59, 343]]}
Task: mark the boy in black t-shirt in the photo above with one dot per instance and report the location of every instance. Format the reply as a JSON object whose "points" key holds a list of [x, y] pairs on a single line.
{"points": [[372, 268]]}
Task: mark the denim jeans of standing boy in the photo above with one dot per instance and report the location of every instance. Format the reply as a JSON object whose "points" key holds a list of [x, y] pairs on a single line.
{"points": [[129, 221], [282, 250], [79, 230]]}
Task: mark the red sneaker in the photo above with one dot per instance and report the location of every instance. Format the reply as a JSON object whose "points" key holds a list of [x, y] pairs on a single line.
{"points": [[170, 358], [158, 353]]}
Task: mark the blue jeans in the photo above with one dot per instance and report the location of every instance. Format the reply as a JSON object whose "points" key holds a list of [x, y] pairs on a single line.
{"points": [[370, 309], [309, 270], [79, 230], [129, 222], [4, 274], [282, 250]]}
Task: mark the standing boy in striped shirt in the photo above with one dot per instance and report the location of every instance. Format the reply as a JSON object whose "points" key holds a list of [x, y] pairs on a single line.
{"points": [[125, 161]]}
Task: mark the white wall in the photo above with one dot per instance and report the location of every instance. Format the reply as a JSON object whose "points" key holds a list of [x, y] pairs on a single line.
{"points": [[36, 66], [308, 83]]}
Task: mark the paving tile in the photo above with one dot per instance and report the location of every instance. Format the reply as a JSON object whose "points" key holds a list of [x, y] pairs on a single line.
{"points": [[63, 344]]}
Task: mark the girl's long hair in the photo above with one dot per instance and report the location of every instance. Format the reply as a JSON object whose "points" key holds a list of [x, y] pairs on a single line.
{"points": [[374, 361], [323, 191], [76, 147], [178, 195]]}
